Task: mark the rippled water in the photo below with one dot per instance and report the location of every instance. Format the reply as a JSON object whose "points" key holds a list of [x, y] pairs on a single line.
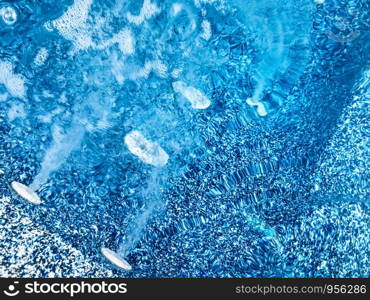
{"points": [[195, 138]]}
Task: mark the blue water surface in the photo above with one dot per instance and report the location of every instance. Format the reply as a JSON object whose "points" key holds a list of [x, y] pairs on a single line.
{"points": [[252, 117]]}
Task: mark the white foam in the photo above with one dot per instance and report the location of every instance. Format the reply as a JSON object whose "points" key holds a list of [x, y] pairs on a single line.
{"points": [[3, 97], [154, 65], [64, 142], [9, 15], [16, 111], [116, 259], [72, 24], [26, 193], [261, 110], [176, 8], [125, 40], [144, 72], [41, 56], [148, 10], [196, 97], [147, 151], [74, 18], [160, 68], [47, 118], [117, 68], [198, 3], [207, 32], [14, 83], [176, 72]]}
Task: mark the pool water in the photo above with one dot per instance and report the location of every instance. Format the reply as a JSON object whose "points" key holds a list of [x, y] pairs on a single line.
{"points": [[204, 138]]}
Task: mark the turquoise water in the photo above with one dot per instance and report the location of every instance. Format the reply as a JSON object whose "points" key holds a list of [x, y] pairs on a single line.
{"points": [[194, 138]]}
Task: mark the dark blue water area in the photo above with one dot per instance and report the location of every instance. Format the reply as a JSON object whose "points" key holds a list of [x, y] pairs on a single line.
{"points": [[235, 198]]}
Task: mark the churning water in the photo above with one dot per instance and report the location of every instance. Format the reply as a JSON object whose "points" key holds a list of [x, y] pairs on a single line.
{"points": [[192, 138]]}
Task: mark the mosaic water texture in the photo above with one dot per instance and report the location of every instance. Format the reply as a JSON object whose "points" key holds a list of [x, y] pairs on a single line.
{"points": [[187, 138]]}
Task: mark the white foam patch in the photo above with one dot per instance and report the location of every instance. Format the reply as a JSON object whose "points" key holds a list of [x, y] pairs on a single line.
{"points": [[147, 151], [64, 142], [3, 97], [104, 123], [14, 83], [197, 98], [9, 15], [160, 68], [261, 110], [116, 259], [154, 65], [49, 117], [16, 111], [176, 72], [176, 8], [26, 193], [41, 56], [117, 67], [148, 10], [206, 30], [125, 40], [72, 24], [198, 3]]}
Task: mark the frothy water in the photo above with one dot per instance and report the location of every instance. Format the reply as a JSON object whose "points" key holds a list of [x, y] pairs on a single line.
{"points": [[148, 126], [62, 146], [9, 15], [14, 83], [149, 152], [197, 99], [153, 203]]}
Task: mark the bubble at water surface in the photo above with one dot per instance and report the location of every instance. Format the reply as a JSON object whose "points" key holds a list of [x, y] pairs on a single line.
{"points": [[9, 15]]}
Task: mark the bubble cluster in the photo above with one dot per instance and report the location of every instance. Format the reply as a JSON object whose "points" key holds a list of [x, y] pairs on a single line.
{"points": [[9, 15], [14, 83]]}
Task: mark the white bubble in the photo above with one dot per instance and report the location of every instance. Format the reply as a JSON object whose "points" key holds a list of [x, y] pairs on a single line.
{"points": [[261, 110], [176, 72], [160, 68], [41, 56], [72, 24], [16, 111], [198, 3], [196, 97], [147, 151], [125, 40], [176, 8], [3, 97], [14, 83], [207, 32], [9, 15], [147, 11], [144, 72]]}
